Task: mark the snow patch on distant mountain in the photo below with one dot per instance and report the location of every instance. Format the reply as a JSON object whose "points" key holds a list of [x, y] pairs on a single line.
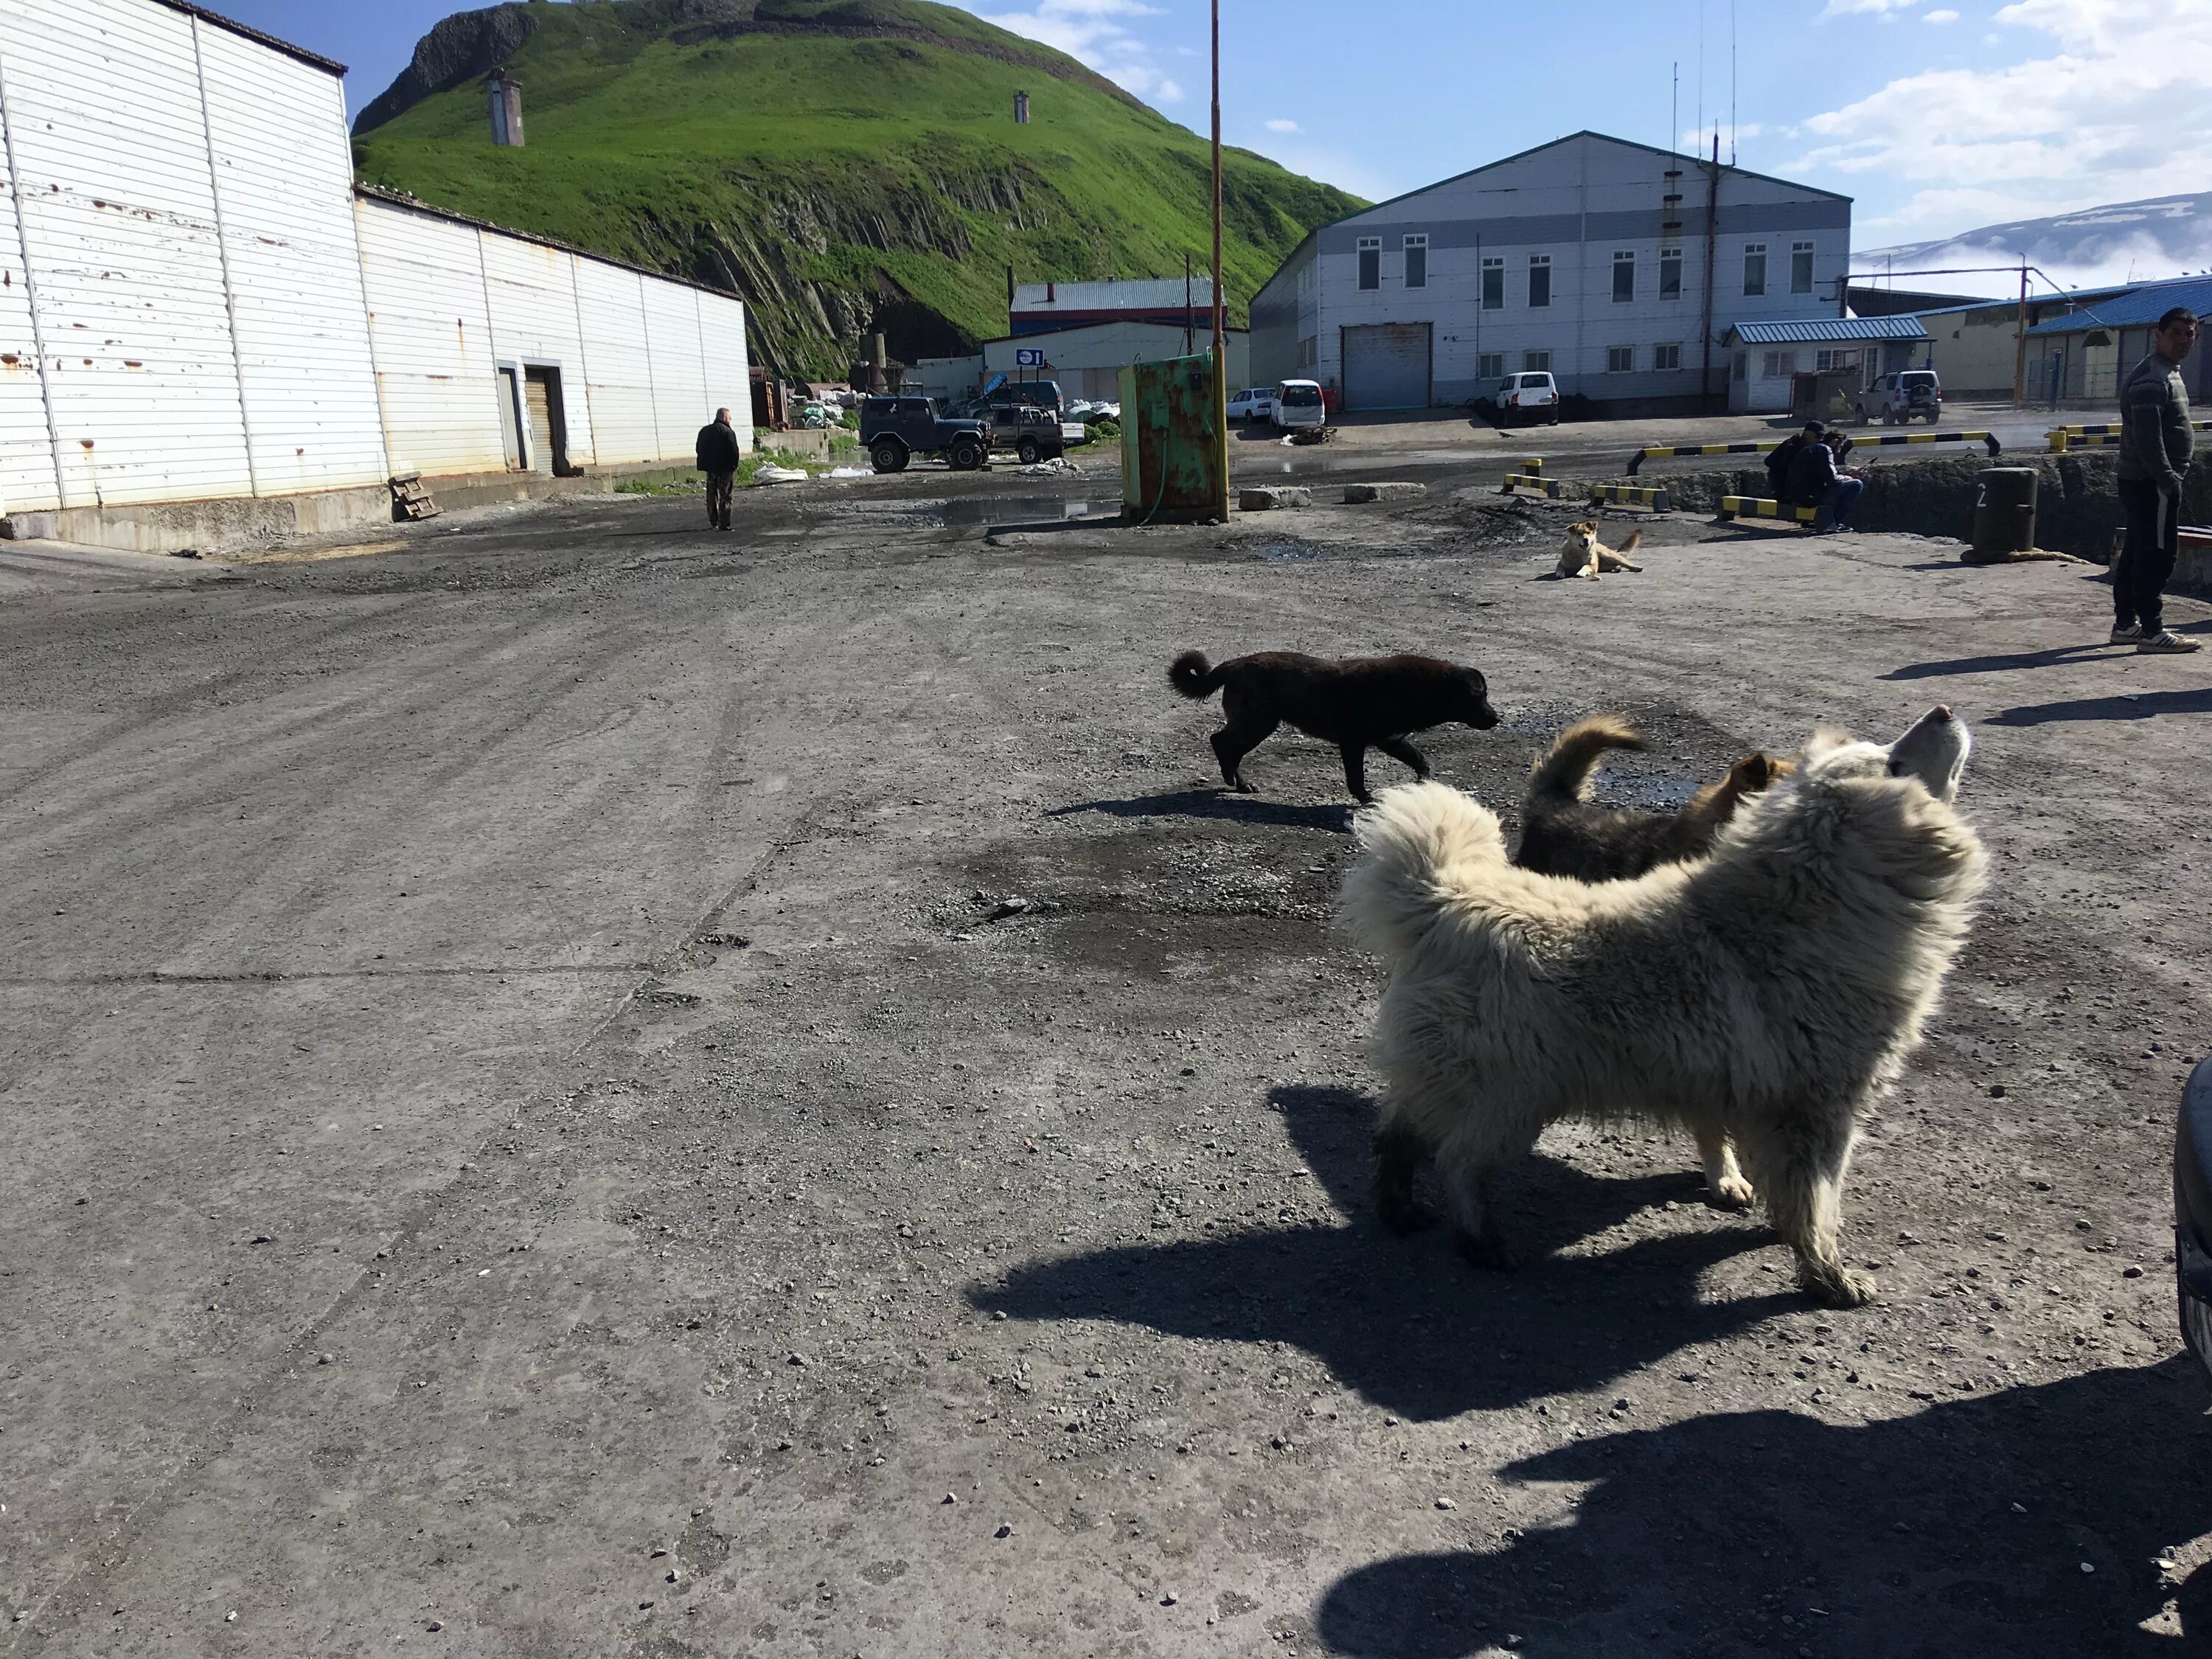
{"points": [[2123, 241]]}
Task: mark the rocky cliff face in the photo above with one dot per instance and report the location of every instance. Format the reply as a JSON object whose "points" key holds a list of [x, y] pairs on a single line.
{"points": [[846, 167], [471, 45]]}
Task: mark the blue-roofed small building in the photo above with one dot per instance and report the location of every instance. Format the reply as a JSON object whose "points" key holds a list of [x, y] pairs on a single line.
{"points": [[1765, 358], [2085, 350]]}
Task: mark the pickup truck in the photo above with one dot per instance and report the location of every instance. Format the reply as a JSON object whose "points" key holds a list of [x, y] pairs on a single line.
{"points": [[1033, 434], [894, 430]]}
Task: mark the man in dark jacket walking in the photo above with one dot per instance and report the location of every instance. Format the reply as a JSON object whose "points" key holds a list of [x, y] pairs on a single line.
{"points": [[2155, 448], [718, 459]]}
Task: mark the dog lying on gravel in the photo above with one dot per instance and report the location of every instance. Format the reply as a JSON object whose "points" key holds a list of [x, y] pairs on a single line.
{"points": [[1582, 555], [1562, 833], [1759, 999], [1357, 704]]}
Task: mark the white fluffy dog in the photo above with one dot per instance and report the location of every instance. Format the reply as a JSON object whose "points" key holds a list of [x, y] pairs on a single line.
{"points": [[1760, 997]]}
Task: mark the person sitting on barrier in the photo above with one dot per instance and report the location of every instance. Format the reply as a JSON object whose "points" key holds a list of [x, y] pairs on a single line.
{"points": [[1816, 480], [1783, 455]]}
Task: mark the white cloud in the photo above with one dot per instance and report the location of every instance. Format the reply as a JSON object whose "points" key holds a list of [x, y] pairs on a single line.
{"points": [[2114, 109], [1280, 125], [1698, 143], [1864, 8], [1946, 15], [1096, 32]]}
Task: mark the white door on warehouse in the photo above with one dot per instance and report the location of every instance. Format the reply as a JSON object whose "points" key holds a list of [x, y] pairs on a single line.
{"points": [[1386, 366]]}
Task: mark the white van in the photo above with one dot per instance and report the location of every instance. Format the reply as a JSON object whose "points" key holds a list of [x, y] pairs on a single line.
{"points": [[1299, 402]]}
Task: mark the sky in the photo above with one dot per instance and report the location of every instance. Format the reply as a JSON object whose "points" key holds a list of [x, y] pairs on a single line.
{"points": [[1935, 115]]}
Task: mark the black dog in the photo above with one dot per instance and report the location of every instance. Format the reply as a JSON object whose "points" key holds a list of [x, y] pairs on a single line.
{"points": [[1359, 704]]}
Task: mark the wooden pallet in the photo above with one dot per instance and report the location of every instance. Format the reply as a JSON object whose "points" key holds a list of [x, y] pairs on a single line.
{"points": [[410, 499]]}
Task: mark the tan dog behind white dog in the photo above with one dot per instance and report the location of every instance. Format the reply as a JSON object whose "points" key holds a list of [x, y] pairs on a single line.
{"points": [[1582, 555], [1761, 997]]}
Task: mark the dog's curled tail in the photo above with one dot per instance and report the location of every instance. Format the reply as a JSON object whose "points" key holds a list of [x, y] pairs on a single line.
{"points": [[1192, 676], [1561, 777], [1417, 845]]}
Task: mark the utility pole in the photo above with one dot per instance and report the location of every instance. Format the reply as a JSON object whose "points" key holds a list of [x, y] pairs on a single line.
{"points": [[1712, 253], [2020, 345], [1220, 319]]}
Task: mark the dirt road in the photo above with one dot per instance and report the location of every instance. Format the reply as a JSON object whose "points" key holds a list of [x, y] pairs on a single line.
{"points": [[579, 1086]]}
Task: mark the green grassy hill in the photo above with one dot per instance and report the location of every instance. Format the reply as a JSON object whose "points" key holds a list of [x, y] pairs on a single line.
{"points": [[844, 165]]}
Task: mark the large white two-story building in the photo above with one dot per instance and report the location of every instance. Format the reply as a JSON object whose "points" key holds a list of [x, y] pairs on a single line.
{"points": [[1617, 266]]}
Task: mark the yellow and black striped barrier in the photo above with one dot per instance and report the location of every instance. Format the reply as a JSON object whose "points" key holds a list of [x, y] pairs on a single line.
{"points": [[2063, 438], [1648, 500], [1520, 483], [1989, 440], [1757, 507], [1669, 452]]}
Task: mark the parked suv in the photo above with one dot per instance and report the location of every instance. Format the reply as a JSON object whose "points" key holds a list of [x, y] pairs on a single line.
{"points": [[894, 430], [1031, 432], [1907, 395], [1527, 398]]}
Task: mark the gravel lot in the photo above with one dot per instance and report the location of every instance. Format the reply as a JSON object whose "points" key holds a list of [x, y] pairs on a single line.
{"points": [[579, 1086]]}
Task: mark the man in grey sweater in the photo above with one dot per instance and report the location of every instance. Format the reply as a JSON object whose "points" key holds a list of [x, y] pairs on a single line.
{"points": [[2155, 446]]}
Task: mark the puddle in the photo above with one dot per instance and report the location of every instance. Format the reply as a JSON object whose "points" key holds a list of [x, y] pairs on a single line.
{"points": [[1287, 552], [1019, 509]]}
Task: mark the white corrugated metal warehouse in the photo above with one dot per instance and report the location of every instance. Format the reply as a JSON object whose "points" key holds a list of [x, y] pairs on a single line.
{"points": [[198, 306], [1612, 264]]}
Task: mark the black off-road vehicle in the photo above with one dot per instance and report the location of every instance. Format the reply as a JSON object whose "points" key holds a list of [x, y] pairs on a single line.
{"points": [[894, 430]]}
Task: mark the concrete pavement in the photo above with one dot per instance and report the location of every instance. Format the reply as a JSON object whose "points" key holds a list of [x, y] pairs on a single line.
{"points": [[581, 1086]]}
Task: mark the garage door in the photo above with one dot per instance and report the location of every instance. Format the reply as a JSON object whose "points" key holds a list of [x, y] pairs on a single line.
{"points": [[1386, 366]]}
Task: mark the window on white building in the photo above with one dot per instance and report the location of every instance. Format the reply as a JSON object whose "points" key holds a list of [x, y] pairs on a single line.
{"points": [[1490, 365], [1670, 273], [1620, 360], [1743, 365], [1667, 356], [1493, 286], [1538, 363], [1754, 270], [1540, 279], [1624, 275], [1417, 262], [1309, 351], [1800, 267], [1838, 358], [1778, 366], [1371, 264]]}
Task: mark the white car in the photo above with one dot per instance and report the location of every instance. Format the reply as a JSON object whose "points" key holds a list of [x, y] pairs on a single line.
{"points": [[1524, 399], [1299, 404], [1255, 403]]}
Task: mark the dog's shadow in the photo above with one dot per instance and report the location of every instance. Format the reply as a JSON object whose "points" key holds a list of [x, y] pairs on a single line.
{"points": [[1404, 1322], [1951, 1531], [1223, 804]]}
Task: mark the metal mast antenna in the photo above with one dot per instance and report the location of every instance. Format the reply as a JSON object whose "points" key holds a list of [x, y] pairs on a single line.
{"points": [[1220, 319]]}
